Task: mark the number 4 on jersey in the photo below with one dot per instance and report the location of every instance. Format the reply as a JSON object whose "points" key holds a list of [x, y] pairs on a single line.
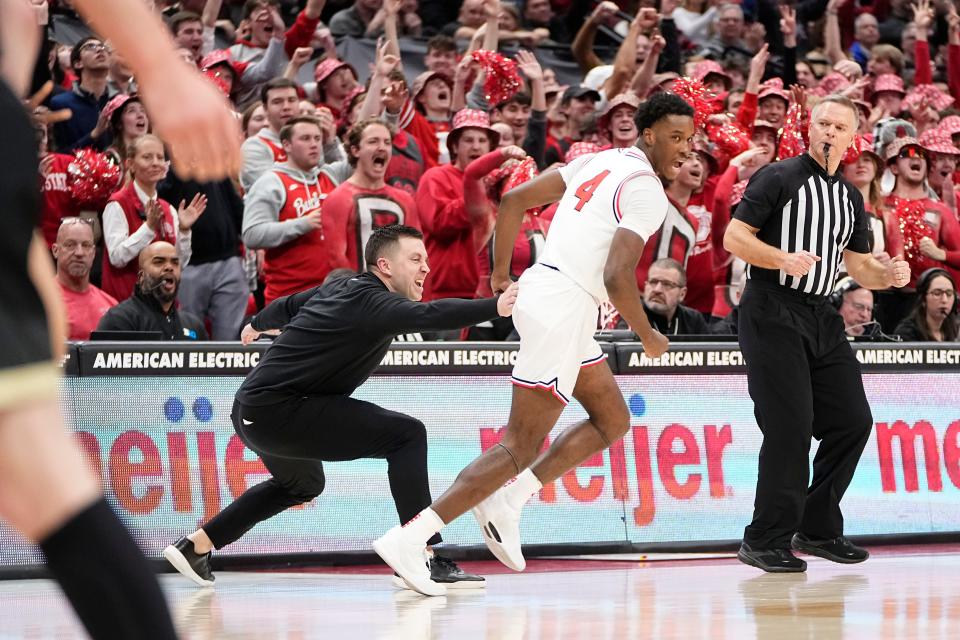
{"points": [[585, 191]]}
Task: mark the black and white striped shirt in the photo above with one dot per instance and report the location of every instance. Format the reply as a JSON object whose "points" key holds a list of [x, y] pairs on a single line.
{"points": [[797, 206]]}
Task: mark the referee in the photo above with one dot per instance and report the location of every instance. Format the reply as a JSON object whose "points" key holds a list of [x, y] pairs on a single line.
{"points": [[795, 224], [295, 411]]}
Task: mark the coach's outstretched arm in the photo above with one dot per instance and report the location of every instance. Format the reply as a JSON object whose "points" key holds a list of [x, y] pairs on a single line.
{"points": [[546, 188], [620, 280], [395, 314]]}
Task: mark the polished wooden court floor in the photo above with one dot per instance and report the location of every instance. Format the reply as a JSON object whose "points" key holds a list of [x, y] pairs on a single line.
{"points": [[899, 593]]}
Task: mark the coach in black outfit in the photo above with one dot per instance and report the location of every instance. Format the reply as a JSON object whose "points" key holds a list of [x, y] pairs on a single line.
{"points": [[796, 221], [294, 409]]}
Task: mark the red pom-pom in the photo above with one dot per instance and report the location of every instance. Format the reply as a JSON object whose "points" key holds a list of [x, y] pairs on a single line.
{"points": [[214, 76], [694, 93], [509, 175], [503, 79], [729, 138], [92, 178], [910, 216], [793, 139]]}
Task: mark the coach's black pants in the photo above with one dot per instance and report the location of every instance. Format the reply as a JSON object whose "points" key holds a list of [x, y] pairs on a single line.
{"points": [[805, 381], [293, 437]]}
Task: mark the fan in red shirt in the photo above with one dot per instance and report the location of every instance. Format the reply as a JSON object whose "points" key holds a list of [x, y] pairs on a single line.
{"points": [[74, 251], [365, 201]]}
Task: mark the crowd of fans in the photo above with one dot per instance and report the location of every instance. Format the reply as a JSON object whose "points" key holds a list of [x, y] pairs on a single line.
{"points": [[355, 148]]}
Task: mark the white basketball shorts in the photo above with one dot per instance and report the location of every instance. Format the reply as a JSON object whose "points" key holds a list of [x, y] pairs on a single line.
{"points": [[556, 319]]}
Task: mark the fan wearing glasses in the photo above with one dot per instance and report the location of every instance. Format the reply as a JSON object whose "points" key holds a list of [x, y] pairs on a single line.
{"points": [[855, 304], [934, 315], [664, 290], [90, 61]]}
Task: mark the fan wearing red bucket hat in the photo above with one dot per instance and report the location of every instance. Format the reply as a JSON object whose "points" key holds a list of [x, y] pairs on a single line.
{"points": [[335, 80], [236, 79], [616, 123], [773, 102], [451, 223], [943, 164], [365, 202], [888, 94], [127, 120], [950, 128], [931, 233]]}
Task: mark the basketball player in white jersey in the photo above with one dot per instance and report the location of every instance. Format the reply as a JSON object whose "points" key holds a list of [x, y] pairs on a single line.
{"points": [[610, 203]]}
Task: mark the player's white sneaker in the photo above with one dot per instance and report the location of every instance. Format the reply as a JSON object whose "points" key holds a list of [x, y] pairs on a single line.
{"points": [[407, 559], [499, 521]]}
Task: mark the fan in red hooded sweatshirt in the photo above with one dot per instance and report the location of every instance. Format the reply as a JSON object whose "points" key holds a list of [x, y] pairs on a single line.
{"points": [[452, 223]]}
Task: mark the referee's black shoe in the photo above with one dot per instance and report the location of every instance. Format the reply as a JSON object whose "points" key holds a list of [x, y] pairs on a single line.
{"points": [[836, 549], [446, 572], [184, 558], [771, 560]]}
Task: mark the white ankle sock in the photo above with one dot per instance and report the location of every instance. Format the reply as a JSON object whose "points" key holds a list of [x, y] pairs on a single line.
{"points": [[423, 526], [524, 486]]}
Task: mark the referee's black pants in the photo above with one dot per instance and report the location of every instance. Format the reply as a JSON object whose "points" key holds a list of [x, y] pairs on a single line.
{"points": [[804, 381], [292, 439]]}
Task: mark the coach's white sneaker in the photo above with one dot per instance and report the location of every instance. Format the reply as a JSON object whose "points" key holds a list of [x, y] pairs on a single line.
{"points": [[407, 559], [499, 521]]}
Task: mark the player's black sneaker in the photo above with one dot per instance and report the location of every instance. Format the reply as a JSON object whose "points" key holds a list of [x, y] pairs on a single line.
{"points": [[446, 572], [184, 558]]}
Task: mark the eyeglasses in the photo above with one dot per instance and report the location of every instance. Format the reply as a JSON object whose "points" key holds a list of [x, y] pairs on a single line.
{"points": [[666, 284], [941, 293], [94, 46]]}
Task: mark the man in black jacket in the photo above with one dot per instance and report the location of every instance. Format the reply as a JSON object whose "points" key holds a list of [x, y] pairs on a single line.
{"points": [[153, 307], [334, 336], [663, 293]]}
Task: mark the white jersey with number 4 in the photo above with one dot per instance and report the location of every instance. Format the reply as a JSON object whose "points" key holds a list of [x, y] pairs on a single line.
{"points": [[606, 191]]}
